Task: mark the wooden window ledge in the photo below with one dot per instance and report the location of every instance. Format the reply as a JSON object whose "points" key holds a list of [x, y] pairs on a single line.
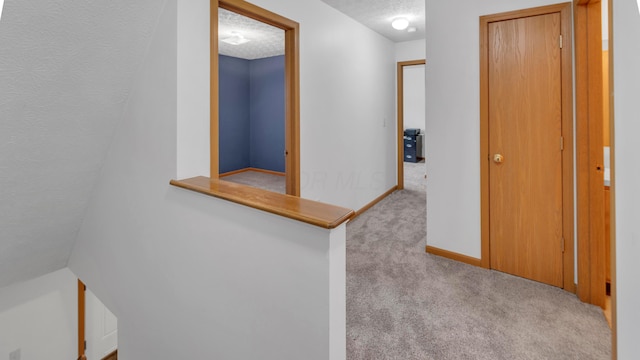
{"points": [[308, 211]]}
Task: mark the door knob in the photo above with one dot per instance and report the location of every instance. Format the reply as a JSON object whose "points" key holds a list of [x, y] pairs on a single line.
{"points": [[498, 158]]}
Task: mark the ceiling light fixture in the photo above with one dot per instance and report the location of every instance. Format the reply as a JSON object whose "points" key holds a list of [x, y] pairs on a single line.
{"points": [[413, 28], [400, 23], [236, 39]]}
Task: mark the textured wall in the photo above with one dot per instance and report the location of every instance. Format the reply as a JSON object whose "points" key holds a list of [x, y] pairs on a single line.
{"points": [[267, 113], [413, 95], [251, 113], [66, 68], [410, 50]]}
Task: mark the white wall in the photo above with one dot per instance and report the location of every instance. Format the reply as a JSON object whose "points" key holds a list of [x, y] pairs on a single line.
{"points": [[453, 120], [626, 52], [190, 276], [193, 89], [414, 84], [347, 105], [410, 50], [40, 317], [413, 96]]}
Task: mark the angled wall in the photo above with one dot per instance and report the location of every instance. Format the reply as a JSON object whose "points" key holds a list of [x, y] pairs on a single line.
{"points": [[65, 74]]}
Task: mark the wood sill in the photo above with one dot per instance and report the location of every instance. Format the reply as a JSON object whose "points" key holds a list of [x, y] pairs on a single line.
{"points": [[308, 211]]}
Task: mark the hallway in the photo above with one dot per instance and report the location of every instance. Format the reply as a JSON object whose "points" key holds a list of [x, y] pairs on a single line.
{"points": [[403, 303]]}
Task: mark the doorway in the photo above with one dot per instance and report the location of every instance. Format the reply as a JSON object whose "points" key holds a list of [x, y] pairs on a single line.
{"points": [[291, 87], [415, 118], [97, 327], [526, 144]]}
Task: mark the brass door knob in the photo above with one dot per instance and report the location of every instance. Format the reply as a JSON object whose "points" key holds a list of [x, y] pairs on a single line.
{"points": [[498, 158]]}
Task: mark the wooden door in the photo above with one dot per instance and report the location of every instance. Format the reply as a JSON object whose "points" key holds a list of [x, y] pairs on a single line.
{"points": [[525, 147]]}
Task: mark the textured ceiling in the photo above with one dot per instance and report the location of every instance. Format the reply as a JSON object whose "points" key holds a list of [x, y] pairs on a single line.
{"points": [[265, 40], [66, 67], [377, 15]]}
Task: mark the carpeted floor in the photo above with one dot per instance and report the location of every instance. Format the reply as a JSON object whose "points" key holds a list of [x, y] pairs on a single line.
{"points": [[405, 304], [275, 183]]}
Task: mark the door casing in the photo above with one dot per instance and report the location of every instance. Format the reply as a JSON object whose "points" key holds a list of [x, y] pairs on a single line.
{"points": [[588, 30], [81, 315], [292, 86], [567, 130]]}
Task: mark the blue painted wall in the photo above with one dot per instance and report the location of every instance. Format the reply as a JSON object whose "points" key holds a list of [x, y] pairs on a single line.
{"points": [[267, 113], [251, 113], [234, 123]]}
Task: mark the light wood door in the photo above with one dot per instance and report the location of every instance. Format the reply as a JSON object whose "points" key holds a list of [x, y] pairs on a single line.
{"points": [[525, 129]]}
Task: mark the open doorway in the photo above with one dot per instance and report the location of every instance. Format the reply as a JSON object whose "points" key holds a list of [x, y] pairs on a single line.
{"points": [[411, 121], [233, 13], [252, 102]]}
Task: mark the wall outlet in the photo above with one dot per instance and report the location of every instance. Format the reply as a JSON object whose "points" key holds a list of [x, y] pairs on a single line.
{"points": [[14, 355]]}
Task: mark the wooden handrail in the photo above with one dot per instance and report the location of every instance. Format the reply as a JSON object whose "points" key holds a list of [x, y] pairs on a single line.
{"points": [[311, 212]]}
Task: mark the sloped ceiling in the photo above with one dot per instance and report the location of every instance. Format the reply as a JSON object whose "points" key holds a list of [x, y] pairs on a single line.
{"points": [[65, 71]]}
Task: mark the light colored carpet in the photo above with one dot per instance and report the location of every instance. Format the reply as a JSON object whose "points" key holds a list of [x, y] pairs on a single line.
{"points": [[275, 183], [405, 304]]}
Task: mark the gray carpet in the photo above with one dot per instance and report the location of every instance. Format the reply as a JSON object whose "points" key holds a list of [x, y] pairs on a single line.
{"points": [[257, 179], [405, 304]]}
